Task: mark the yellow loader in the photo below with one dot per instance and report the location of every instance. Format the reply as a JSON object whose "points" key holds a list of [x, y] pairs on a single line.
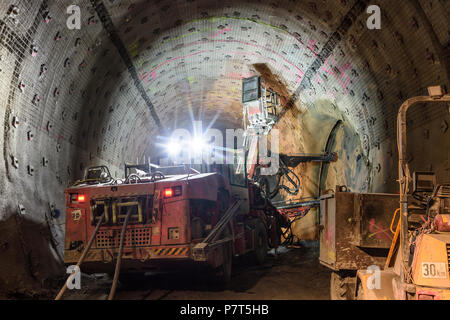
{"points": [[418, 264]]}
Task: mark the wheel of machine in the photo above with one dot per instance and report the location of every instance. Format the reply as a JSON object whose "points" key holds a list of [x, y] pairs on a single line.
{"points": [[224, 271], [339, 287], [260, 253]]}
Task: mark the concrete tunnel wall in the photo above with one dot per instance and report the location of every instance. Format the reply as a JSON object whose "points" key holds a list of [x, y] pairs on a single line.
{"points": [[138, 69]]}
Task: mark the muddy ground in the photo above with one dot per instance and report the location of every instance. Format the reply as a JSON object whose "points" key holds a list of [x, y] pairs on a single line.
{"points": [[295, 275]]}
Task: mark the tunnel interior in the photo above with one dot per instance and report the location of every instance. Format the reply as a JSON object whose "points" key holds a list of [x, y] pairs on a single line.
{"points": [[136, 70]]}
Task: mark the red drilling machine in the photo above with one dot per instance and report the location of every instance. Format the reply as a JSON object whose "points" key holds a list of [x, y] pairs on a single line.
{"points": [[163, 217]]}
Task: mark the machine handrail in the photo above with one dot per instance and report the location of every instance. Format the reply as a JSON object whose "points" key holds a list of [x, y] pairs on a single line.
{"points": [[403, 170]]}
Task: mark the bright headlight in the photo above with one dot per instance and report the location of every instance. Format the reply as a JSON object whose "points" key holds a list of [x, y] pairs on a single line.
{"points": [[173, 148]]}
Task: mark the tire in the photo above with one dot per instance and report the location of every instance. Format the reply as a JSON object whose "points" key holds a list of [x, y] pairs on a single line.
{"points": [[261, 239], [224, 272], [339, 287]]}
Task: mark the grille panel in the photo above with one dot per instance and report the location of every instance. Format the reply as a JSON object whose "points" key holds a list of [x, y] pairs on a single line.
{"points": [[133, 238]]}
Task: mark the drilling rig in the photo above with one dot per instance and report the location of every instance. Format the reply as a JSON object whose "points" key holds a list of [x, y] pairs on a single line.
{"points": [[164, 217], [262, 109]]}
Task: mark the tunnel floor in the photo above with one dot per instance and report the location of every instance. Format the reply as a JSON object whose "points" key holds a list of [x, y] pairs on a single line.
{"points": [[295, 275]]}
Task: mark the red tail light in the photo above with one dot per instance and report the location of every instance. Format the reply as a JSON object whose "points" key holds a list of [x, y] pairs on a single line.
{"points": [[77, 198], [168, 193], [173, 192]]}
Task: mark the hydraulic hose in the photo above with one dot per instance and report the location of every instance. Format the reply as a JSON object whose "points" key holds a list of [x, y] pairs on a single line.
{"points": [[119, 258], [284, 171]]}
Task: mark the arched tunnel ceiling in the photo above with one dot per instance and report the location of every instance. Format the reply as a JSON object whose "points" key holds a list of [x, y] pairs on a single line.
{"points": [[139, 69], [192, 55]]}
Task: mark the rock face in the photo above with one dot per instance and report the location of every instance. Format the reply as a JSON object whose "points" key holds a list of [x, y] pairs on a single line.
{"points": [[102, 94], [29, 258]]}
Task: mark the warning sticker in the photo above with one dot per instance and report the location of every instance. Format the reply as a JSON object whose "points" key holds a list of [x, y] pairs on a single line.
{"points": [[434, 270]]}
